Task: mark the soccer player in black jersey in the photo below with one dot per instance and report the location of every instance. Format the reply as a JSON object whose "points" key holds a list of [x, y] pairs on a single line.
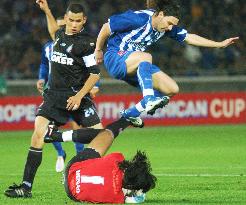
{"points": [[73, 74]]}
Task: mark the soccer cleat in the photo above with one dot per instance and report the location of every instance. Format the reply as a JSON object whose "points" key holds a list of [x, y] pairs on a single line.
{"points": [[18, 191], [154, 103], [52, 135], [135, 121], [60, 163]]}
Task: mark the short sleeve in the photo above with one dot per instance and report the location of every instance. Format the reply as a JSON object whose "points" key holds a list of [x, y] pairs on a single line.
{"points": [[177, 33], [127, 21]]}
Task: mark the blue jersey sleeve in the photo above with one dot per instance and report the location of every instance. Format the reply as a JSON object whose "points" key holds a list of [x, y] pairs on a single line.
{"points": [[97, 85], [127, 21], [44, 66], [177, 33]]}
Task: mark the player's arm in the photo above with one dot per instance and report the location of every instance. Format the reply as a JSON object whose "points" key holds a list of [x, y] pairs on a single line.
{"points": [[95, 90], [43, 71], [89, 84], [51, 22], [73, 102], [197, 40], [101, 39]]}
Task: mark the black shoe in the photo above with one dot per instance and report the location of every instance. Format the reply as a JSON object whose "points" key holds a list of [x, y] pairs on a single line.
{"points": [[53, 135], [18, 191]]}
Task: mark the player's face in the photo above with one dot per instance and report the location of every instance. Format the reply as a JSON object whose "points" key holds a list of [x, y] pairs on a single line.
{"points": [[74, 22], [165, 23]]}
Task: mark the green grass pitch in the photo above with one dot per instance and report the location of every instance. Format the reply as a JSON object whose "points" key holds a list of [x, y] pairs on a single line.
{"points": [[194, 165]]}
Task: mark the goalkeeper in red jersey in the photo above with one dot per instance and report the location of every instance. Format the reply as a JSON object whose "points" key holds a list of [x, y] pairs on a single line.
{"points": [[92, 177]]}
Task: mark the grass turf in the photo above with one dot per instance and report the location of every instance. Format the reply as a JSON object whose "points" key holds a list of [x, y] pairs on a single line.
{"points": [[194, 165]]}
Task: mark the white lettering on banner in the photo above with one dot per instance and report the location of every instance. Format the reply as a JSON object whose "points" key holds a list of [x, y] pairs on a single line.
{"points": [[15, 113], [182, 109], [109, 110], [227, 108], [92, 179]]}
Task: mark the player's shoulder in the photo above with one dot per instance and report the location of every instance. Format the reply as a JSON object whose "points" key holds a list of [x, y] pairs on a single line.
{"points": [[85, 34], [140, 16], [116, 156], [47, 44], [59, 32], [144, 15], [86, 38]]}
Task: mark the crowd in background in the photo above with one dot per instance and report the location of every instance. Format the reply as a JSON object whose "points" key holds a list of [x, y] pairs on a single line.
{"points": [[23, 32]]}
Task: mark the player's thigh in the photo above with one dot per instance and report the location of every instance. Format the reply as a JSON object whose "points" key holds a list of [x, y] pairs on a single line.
{"points": [[97, 126], [164, 83], [87, 115], [74, 125], [134, 59], [40, 128]]}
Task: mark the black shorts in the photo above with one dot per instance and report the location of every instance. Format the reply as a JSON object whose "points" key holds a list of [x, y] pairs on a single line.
{"points": [[87, 153], [54, 109]]}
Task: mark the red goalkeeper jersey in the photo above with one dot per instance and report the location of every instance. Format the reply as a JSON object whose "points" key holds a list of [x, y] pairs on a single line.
{"points": [[97, 180]]}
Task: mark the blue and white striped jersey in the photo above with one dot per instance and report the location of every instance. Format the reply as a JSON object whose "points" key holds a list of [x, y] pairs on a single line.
{"points": [[44, 68], [132, 31]]}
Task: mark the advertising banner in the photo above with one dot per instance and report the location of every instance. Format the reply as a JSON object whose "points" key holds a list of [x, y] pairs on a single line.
{"points": [[18, 113]]}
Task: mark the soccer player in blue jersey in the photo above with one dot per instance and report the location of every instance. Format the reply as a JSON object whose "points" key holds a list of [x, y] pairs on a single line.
{"points": [[128, 36], [44, 70]]}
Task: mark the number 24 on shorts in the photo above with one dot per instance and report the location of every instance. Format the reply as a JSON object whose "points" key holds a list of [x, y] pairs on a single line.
{"points": [[89, 112]]}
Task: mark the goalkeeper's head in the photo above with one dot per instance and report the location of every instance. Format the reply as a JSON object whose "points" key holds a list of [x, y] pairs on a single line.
{"points": [[137, 173]]}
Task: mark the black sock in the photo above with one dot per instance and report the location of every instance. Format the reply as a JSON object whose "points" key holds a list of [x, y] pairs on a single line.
{"points": [[57, 136], [118, 126], [85, 135], [33, 161]]}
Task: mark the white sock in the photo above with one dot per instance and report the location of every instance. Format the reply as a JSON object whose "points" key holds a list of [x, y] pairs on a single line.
{"points": [[67, 136], [139, 107], [148, 92]]}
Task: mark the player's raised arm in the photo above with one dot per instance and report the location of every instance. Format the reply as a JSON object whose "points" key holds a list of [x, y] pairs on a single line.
{"points": [[51, 22], [196, 40], [102, 37]]}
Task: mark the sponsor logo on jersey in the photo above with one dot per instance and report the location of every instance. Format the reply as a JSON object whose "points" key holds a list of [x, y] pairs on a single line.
{"points": [[69, 48], [61, 58]]}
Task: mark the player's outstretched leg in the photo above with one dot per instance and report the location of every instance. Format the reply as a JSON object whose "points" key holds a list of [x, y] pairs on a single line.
{"points": [[86, 135]]}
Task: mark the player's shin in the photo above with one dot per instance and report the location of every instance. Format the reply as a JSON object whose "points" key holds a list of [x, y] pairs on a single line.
{"points": [[145, 78], [34, 159]]}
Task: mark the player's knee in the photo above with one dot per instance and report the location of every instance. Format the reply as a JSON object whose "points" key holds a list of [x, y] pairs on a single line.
{"points": [[145, 57], [174, 90], [148, 57], [38, 135]]}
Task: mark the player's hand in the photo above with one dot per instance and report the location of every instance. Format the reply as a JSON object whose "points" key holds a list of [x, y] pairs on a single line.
{"points": [[73, 103], [228, 42], [43, 5], [99, 56], [40, 85], [94, 92]]}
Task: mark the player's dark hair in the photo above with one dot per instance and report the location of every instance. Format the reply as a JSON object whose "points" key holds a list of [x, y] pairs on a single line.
{"points": [[60, 18], [75, 8], [169, 7], [137, 173]]}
